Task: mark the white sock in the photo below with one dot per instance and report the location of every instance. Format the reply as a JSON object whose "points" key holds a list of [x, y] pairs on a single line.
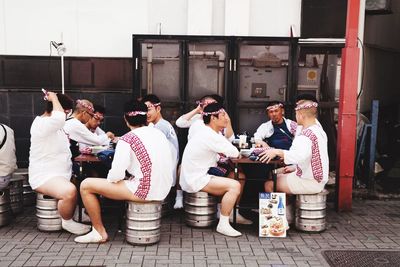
{"points": [[178, 199], [179, 193], [225, 228]]}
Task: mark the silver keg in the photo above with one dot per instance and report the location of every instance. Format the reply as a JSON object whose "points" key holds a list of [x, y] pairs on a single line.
{"points": [[16, 194], [5, 207], [48, 218], [200, 209], [143, 221], [311, 212], [29, 196]]}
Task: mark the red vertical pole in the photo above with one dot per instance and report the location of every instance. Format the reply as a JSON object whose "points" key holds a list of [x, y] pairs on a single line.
{"points": [[346, 142]]}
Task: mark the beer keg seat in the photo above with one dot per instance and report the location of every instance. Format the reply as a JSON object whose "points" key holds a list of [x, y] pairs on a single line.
{"points": [[200, 209], [143, 222], [311, 212]]}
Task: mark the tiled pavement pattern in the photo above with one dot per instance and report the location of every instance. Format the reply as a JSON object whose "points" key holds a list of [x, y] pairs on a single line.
{"points": [[372, 225]]}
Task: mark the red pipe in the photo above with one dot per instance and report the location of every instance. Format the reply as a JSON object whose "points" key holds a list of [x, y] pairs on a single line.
{"points": [[346, 142]]}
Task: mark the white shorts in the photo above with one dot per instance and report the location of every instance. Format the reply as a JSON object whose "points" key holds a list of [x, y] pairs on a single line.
{"points": [[299, 185]]}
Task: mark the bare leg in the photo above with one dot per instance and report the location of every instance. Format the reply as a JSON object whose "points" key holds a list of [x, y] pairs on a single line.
{"points": [[91, 187], [228, 188], [281, 184], [64, 191], [242, 181]]}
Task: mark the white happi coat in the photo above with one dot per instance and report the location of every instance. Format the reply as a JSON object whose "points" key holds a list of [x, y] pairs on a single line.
{"points": [[78, 132], [49, 154], [309, 151], [145, 153], [200, 154], [195, 125], [266, 129]]}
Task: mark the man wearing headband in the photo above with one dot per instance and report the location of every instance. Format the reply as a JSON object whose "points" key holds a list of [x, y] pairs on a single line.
{"points": [[50, 166], [278, 131], [93, 124], [154, 117], [79, 133], [308, 97], [142, 153], [201, 154], [308, 154], [193, 119]]}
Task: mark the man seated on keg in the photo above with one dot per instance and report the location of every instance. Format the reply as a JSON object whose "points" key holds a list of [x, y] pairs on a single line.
{"points": [[50, 166], [8, 160], [93, 124], [308, 154], [95, 170], [194, 120], [143, 152], [77, 131], [278, 132], [310, 98], [201, 156], [155, 118]]}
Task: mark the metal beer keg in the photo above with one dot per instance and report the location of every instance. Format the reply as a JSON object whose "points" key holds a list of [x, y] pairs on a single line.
{"points": [[48, 218], [200, 209], [311, 212], [16, 194], [29, 196], [5, 207], [143, 221]]}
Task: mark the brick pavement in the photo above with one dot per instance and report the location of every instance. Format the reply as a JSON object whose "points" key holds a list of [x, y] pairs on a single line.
{"points": [[372, 225]]}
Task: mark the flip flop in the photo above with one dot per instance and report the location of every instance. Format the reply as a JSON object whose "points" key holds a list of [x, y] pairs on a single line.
{"points": [[91, 237]]}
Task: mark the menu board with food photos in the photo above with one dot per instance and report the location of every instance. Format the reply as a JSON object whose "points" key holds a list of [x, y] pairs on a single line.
{"points": [[272, 215]]}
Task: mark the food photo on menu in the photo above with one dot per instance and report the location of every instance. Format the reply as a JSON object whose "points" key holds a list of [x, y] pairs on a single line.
{"points": [[272, 215]]}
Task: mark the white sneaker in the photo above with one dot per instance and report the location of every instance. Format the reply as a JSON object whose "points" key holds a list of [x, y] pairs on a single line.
{"points": [[227, 230], [85, 217], [239, 219], [91, 237], [74, 227], [178, 203]]}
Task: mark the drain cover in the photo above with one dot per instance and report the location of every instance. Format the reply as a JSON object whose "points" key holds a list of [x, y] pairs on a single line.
{"points": [[358, 258]]}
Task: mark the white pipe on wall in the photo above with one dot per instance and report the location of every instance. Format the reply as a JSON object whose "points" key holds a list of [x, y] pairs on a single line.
{"points": [[149, 68]]}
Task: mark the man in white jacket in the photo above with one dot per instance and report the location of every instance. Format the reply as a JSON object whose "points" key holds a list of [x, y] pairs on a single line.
{"points": [[201, 154], [50, 160], [278, 132], [144, 154], [308, 154], [77, 131]]}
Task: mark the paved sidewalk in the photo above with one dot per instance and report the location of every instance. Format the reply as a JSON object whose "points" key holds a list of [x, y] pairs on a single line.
{"points": [[373, 225]]}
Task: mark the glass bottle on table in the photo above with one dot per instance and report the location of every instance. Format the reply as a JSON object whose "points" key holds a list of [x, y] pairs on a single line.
{"points": [[281, 207]]}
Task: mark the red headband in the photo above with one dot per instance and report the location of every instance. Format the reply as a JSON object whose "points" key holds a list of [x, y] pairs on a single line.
{"points": [[154, 105], [276, 106], [306, 106], [213, 112], [83, 104], [135, 113]]}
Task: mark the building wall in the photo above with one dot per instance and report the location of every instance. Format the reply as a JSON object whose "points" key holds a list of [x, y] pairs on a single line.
{"points": [[382, 59], [100, 28]]}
